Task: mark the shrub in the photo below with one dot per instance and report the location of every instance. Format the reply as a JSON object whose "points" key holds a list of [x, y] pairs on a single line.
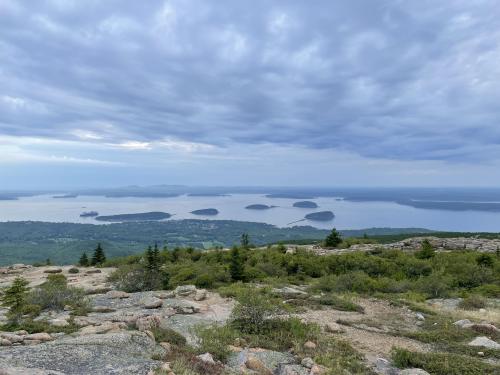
{"points": [[216, 340], [333, 239], [168, 335], [442, 363], [472, 302], [426, 252], [73, 270], [15, 299], [130, 278], [55, 293], [251, 311]]}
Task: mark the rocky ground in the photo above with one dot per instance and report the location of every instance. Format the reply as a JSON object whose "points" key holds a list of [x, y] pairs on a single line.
{"points": [[415, 243], [116, 336]]}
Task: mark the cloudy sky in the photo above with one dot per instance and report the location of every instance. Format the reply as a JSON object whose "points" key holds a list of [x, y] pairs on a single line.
{"points": [[325, 93]]}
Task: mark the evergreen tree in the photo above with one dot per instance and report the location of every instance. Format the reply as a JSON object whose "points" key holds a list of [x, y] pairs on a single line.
{"points": [[156, 258], [333, 239], [48, 262], [236, 266], [149, 259], [15, 299], [426, 252], [245, 241], [84, 260], [99, 257]]}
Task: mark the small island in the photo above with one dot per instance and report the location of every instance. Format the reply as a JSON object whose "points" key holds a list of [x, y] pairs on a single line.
{"points": [[143, 216], [65, 196], [305, 204], [89, 214], [258, 207], [206, 212], [320, 216]]}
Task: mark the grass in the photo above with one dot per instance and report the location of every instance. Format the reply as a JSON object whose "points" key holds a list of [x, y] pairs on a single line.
{"points": [[168, 335], [472, 302], [39, 326], [442, 363], [341, 304]]}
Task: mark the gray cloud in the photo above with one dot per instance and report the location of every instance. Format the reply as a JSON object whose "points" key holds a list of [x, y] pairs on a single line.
{"points": [[383, 79]]}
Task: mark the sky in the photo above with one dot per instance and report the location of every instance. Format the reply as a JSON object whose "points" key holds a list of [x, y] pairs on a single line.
{"points": [[301, 93]]}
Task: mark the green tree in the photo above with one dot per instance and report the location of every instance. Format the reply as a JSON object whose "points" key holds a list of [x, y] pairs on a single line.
{"points": [[245, 241], [426, 251], [333, 239], [485, 260], [15, 299], [156, 258], [236, 266], [84, 260], [99, 257]]}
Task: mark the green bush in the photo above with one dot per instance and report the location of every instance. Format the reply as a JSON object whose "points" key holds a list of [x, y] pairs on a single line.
{"points": [[442, 363], [216, 340], [472, 302], [252, 310], [73, 270]]}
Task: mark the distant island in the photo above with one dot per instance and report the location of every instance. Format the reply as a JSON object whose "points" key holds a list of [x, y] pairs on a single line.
{"points": [[290, 196], [259, 207], [143, 216], [320, 216], [208, 195], [89, 214], [305, 204], [206, 212], [65, 196]]}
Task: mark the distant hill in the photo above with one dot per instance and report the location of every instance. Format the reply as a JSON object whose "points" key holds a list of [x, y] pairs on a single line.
{"points": [[258, 207], [305, 204], [144, 216], [29, 242], [320, 216]]}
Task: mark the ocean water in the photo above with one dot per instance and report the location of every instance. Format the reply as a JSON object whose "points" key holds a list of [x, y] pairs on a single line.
{"points": [[348, 214]]}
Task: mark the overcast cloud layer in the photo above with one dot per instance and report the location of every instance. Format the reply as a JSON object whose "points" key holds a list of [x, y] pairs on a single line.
{"points": [[250, 92]]}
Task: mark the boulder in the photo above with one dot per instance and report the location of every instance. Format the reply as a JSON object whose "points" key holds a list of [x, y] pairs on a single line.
{"points": [[309, 345], [463, 323], [200, 295], [185, 290], [12, 337], [255, 364], [5, 342], [103, 328], [207, 358], [113, 294], [484, 341], [152, 303], [420, 316], [289, 292], [485, 328], [307, 362], [333, 328], [42, 336], [164, 295], [318, 370]]}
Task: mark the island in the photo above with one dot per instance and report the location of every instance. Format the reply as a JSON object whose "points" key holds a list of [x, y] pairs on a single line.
{"points": [[89, 214], [65, 196], [206, 212], [143, 216], [258, 207], [305, 204], [320, 216]]}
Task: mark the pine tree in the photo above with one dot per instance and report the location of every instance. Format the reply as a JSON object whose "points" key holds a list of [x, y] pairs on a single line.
{"points": [[84, 260], [245, 241], [237, 266], [149, 259], [156, 258], [99, 257], [333, 239], [426, 252], [15, 299]]}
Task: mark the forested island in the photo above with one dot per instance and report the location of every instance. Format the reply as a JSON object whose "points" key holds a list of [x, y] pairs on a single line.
{"points": [[305, 204], [143, 216], [320, 216], [259, 207], [206, 212]]}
